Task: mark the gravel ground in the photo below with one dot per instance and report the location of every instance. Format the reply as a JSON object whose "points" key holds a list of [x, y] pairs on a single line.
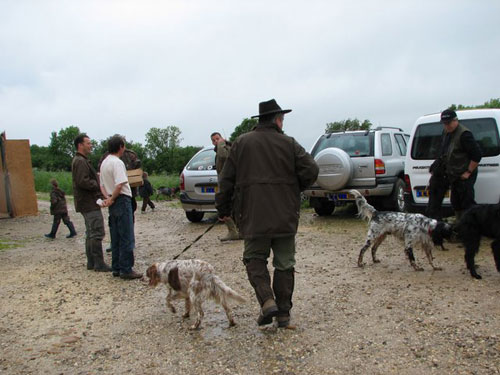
{"points": [[59, 318]]}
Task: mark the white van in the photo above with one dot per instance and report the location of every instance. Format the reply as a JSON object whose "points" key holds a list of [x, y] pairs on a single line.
{"points": [[425, 142]]}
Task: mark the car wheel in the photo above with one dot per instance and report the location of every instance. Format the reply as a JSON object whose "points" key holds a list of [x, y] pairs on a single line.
{"points": [[397, 199], [335, 168], [194, 216], [323, 207]]}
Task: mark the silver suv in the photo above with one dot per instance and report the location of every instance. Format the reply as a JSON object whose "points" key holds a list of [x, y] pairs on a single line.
{"points": [[371, 161], [198, 185]]}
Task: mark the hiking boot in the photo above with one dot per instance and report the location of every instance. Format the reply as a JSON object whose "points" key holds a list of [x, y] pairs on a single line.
{"points": [[284, 322], [50, 235], [72, 231], [268, 311], [130, 276]]}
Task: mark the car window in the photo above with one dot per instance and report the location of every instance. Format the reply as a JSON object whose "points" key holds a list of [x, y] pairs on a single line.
{"points": [[385, 140], [400, 141], [427, 139], [204, 161], [354, 144]]}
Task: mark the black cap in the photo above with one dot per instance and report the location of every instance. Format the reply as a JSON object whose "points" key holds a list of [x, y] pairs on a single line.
{"points": [[448, 115]]}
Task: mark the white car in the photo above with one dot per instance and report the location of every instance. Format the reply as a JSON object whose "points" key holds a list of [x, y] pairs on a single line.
{"points": [[198, 185], [425, 142]]}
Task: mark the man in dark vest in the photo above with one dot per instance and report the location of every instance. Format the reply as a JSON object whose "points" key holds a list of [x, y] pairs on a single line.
{"points": [[461, 155], [261, 183]]}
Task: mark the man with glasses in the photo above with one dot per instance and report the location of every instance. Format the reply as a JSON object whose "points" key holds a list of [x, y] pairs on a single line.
{"points": [[461, 155]]}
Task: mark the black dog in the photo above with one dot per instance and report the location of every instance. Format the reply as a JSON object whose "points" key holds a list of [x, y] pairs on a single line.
{"points": [[169, 192], [481, 220]]}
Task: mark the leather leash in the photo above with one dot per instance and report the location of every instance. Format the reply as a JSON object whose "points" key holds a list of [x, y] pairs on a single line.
{"points": [[196, 240]]}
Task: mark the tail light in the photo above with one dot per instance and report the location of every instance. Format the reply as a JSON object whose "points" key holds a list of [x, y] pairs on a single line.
{"points": [[407, 184], [181, 182], [379, 166]]}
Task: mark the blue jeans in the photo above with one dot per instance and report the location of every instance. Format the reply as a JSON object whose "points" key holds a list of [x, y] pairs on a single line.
{"points": [[121, 228]]}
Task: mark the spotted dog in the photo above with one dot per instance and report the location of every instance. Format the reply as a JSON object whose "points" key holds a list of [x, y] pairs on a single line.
{"points": [[195, 281], [478, 221], [168, 192], [413, 229]]}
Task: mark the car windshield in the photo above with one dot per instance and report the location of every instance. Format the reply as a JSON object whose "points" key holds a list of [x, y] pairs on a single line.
{"points": [[204, 161], [354, 144], [427, 139]]}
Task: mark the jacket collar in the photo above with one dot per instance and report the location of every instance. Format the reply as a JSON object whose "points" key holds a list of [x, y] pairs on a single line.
{"points": [[83, 156], [268, 125]]}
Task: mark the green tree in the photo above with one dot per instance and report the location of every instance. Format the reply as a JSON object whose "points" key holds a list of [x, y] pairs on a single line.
{"points": [[492, 103], [161, 145], [62, 148], [245, 126], [40, 156], [345, 125]]}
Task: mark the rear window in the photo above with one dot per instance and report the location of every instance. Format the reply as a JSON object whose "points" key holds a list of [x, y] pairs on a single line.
{"points": [[354, 144], [204, 161], [427, 139]]}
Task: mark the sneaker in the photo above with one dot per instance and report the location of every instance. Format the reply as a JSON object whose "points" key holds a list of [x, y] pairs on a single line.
{"points": [[130, 276]]}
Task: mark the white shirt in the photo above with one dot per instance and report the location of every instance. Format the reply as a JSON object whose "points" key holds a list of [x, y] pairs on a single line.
{"points": [[113, 172]]}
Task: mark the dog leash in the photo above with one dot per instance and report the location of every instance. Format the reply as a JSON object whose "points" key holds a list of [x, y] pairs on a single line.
{"points": [[196, 240]]}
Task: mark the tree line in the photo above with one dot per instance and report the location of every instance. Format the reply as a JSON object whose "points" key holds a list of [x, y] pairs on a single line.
{"points": [[162, 152]]}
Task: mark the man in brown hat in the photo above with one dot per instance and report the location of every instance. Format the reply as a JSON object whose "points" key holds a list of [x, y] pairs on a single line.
{"points": [[222, 149], [261, 182]]}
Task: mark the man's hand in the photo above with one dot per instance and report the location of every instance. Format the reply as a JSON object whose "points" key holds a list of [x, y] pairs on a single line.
{"points": [[465, 175], [108, 202]]}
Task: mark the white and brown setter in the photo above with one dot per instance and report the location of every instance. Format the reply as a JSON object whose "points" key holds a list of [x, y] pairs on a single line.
{"points": [[194, 281], [413, 229]]}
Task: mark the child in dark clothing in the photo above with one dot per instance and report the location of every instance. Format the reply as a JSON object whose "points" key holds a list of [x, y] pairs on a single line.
{"points": [[146, 191], [60, 211]]}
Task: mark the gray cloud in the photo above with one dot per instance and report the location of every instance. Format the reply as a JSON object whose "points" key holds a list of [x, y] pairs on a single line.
{"points": [[126, 66]]}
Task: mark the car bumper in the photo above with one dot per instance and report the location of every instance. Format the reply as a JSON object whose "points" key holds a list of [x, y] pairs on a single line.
{"points": [[380, 190], [189, 204]]}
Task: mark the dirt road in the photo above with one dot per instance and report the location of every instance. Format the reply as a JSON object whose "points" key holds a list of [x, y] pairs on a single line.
{"points": [[58, 318]]}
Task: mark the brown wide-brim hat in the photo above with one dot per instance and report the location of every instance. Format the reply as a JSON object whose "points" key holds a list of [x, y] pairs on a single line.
{"points": [[270, 108]]}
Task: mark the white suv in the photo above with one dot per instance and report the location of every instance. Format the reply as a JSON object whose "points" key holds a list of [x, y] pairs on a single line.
{"points": [[371, 161], [425, 143]]}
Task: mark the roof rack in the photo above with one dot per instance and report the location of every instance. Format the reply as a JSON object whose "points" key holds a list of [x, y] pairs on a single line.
{"points": [[387, 127]]}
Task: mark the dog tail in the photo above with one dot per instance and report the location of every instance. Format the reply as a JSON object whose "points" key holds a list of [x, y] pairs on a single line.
{"points": [[365, 210], [221, 290]]}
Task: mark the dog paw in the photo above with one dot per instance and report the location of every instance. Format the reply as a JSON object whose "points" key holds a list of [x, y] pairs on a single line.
{"points": [[186, 315], [376, 260], [232, 323], [173, 310]]}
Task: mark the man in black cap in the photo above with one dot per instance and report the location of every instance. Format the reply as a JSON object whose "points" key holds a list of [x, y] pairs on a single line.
{"points": [[460, 155], [261, 183]]}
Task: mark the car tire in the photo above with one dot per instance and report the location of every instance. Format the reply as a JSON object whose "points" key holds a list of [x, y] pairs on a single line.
{"points": [[195, 216], [335, 168], [397, 201], [322, 207]]}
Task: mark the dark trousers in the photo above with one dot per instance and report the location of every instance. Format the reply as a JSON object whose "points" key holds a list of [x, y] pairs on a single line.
{"points": [[146, 201], [462, 193], [438, 185], [121, 228], [59, 217]]}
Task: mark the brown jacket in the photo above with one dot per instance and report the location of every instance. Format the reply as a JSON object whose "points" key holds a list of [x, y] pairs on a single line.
{"points": [[221, 154], [86, 189], [58, 202], [262, 180]]}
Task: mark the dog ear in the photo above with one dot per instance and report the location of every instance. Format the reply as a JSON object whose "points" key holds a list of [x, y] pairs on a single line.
{"points": [[173, 279], [152, 273]]}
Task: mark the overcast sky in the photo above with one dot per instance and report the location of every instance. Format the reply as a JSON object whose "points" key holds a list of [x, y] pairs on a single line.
{"points": [[126, 66]]}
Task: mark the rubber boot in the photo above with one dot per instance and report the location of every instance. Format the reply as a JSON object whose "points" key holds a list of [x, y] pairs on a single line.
{"points": [[232, 231], [99, 264], [88, 252], [259, 278], [72, 231], [283, 285], [53, 231]]}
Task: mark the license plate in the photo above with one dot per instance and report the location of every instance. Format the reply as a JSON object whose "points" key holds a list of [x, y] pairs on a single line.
{"points": [[340, 197], [209, 189], [421, 193]]}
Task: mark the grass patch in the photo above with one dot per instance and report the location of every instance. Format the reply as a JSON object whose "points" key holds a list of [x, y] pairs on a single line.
{"points": [[6, 245]]}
